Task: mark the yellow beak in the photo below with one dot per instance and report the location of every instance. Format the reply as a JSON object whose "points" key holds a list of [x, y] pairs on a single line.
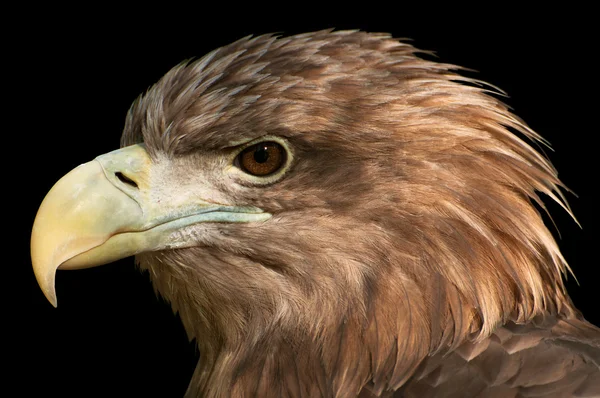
{"points": [[105, 210]]}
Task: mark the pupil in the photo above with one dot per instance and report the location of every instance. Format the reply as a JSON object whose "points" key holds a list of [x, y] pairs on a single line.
{"points": [[261, 154]]}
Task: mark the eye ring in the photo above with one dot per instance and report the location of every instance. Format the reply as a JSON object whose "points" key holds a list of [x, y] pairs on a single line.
{"points": [[262, 159]]}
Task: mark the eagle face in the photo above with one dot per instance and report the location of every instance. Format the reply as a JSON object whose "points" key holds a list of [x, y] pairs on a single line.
{"points": [[327, 203]]}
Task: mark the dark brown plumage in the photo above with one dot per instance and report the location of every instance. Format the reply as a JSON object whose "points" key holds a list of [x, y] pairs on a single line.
{"points": [[404, 253]]}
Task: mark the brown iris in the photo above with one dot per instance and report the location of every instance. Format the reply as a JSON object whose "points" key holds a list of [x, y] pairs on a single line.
{"points": [[262, 159]]}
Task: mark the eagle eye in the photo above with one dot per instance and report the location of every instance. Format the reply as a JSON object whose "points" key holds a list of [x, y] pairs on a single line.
{"points": [[262, 159]]}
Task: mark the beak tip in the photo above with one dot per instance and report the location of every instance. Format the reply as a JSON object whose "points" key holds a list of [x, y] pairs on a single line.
{"points": [[46, 282], [51, 296], [49, 291]]}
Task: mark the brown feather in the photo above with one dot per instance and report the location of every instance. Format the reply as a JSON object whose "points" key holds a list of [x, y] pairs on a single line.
{"points": [[404, 253]]}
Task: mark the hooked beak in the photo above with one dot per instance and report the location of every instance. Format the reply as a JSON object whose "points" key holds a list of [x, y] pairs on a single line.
{"points": [[107, 209]]}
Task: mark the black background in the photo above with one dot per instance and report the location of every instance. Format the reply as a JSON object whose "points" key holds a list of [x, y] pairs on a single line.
{"points": [[78, 72]]}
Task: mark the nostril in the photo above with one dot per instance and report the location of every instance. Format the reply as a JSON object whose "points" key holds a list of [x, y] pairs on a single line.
{"points": [[126, 180]]}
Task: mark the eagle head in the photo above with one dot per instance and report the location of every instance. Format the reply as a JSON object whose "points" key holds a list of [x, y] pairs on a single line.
{"points": [[323, 211]]}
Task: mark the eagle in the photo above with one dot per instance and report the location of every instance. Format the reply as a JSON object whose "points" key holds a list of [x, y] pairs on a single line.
{"points": [[331, 214]]}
